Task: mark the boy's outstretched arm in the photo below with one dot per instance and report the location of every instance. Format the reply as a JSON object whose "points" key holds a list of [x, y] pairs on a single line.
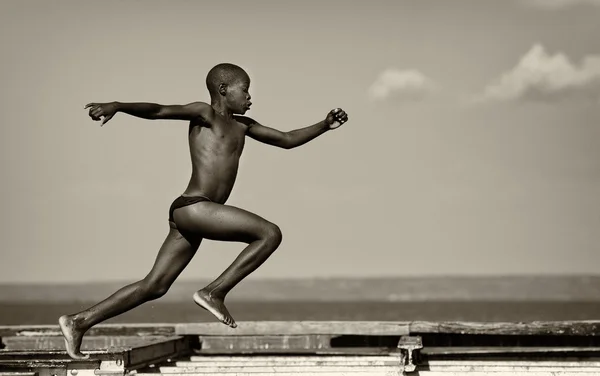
{"points": [[295, 138], [151, 111]]}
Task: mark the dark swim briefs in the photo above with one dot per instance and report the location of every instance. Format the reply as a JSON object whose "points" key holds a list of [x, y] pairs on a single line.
{"points": [[182, 201]]}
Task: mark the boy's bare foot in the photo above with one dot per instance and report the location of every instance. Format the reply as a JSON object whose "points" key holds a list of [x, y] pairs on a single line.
{"points": [[73, 337], [215, 306]]}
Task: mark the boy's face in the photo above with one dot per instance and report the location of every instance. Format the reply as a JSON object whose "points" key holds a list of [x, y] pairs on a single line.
{"points": [[238, 96]]}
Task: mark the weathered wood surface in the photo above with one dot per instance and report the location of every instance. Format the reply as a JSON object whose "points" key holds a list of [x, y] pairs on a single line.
{"points": [[111, 361], [365, 365], [466, 350], [556, 364], [298, 364], [579, 328], [358, 351], [246, 328], [129, 355], [289, 359], [583, 328], [23, 355], [290, 328], [292, 366], [368, 372], [266, 342], [45, 364], [355, 372], [393, 369], [375, 328], [497, 368], [99, 330], [89, 342]]}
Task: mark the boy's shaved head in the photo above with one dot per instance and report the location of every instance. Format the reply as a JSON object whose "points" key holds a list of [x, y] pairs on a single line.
{"points": [[224, 73]]}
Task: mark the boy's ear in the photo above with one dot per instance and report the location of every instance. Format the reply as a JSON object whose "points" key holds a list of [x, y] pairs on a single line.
{"points": [[223, 89]]}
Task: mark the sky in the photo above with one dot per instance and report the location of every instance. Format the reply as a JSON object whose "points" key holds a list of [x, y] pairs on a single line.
{"points": [[473, 145]]}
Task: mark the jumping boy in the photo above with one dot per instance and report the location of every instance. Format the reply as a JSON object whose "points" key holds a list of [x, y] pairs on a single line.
{"points": [[216, 140]]}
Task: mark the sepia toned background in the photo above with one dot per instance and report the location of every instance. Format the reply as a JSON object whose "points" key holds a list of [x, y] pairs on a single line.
{"points": [[473, 146]]}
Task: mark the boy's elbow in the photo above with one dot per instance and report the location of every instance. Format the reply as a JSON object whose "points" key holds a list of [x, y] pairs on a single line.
{"points": [[158, 112], [287, 142]]}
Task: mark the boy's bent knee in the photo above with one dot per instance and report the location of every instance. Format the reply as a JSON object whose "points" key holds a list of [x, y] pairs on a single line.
{"points": [[273, 234]]}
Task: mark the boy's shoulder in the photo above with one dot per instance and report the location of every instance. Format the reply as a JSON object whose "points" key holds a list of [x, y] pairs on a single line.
{"points": [[203, 109], [245, 120]]}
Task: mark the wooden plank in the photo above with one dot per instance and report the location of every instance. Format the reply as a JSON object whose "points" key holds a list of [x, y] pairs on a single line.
{"points": [[359, 351], [99, 330], [295, 328], [285, 358], [470, 372], [556, 364], [45, 365], [297, 360], [585, 328], [110, 361], [89, 342], [573, 351], [495, 369], [51, 354], [558, 328], [129, 355], [324, 373], [572, 328], [301, 370], [266, 342]]}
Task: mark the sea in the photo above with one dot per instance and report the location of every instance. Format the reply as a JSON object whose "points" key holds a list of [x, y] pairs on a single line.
{"points": [[12, 313], [487, 299]]}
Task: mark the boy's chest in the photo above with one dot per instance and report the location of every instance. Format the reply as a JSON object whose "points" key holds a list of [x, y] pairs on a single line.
{"points": [[230, 137]]}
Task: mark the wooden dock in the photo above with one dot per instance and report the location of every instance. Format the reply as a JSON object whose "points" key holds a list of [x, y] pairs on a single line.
{"points": [[307, 348]]}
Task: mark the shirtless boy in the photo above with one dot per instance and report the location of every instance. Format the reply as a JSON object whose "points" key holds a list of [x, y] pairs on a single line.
{"points": [[216, 139]]}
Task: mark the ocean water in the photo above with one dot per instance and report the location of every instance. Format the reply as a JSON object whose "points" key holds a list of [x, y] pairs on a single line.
{"points": [[172, 312]]}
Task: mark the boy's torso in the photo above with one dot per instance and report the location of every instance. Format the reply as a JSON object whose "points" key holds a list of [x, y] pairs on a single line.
{"points": [[215, 151]]}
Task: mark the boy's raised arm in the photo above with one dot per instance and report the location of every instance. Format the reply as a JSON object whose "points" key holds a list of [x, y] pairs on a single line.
{"points": [[151, 111], [295, 138]]}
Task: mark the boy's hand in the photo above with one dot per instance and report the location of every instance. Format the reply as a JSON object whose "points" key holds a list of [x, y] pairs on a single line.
{"points": [[107, 110], [335, 118]]}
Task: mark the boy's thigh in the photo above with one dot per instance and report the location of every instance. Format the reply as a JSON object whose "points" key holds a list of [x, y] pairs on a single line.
{"points": [[214, 221]]}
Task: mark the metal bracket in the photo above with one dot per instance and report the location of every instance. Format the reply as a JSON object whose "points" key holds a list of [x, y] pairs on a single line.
{"points": [[407, 345]]}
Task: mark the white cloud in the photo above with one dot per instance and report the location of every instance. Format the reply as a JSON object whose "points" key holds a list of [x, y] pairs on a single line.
{"points": [[558, 4], [540, 76], [404, 84]]}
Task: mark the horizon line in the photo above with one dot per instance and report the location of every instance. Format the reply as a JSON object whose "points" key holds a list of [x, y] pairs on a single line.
{"points": [[330, 278]]}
